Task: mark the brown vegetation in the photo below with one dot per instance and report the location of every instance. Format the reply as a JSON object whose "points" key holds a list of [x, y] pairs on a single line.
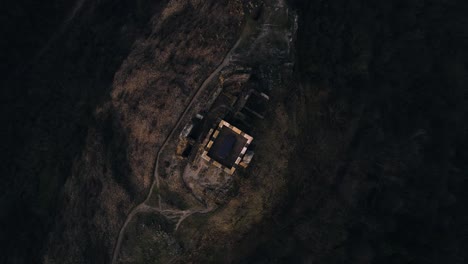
{"points": [[102, 98]]}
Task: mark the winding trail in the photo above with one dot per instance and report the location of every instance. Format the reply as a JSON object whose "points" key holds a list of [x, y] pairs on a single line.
{"points": [[183, 214], [202, 87]]}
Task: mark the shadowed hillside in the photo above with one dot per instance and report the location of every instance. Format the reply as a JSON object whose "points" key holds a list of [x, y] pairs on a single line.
{"points": [[379, 174], [89, 91], [362, 156]]}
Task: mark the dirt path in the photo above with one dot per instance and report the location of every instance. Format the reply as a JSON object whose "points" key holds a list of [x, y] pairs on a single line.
{"points": [[181, 215], [226, 60], [143, 207]]}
